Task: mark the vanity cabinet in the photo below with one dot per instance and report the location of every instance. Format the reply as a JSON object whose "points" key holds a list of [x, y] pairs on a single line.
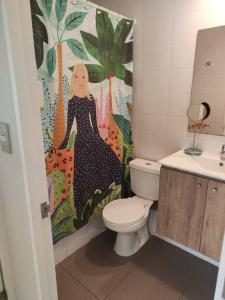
{"points": [[214, 220], [192, 211]]}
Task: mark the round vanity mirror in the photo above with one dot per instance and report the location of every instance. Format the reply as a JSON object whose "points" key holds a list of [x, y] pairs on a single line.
{"points": [[198, 112]]}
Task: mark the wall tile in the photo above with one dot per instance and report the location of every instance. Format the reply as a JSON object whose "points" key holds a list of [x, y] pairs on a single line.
{"points": [[155, 103], [182, 7], [156, 81], [157, 57], [176, 131], [152, 147], [185, 27], [157, 32], [178, 105], [157, 9], [180, 81], [153, 125], [183, 55]]}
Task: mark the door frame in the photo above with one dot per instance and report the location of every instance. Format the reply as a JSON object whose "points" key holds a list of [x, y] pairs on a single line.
{"points": [[26, 98], [220, 285]]}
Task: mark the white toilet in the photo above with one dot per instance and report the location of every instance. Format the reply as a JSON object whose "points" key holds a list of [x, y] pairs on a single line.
{"points": [[128, 217]]}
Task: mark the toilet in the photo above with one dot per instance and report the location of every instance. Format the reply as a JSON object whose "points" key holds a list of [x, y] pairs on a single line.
{"points": [[128, 217]]}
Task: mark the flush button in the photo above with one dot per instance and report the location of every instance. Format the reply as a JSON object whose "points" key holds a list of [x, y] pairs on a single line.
{"points": [[5, 138]]}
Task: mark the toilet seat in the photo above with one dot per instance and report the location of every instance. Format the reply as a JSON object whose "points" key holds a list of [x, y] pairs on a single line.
{"points": [[124, 212]]}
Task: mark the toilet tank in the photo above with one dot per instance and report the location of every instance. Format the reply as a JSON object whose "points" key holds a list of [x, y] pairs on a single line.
{"points": [[145, 178]]}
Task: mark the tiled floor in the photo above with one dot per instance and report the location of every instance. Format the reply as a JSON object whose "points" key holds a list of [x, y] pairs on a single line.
{"points": [[159, 271]]}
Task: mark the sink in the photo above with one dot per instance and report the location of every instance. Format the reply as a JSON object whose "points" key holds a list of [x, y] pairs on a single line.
{"points": [[207, 164]]}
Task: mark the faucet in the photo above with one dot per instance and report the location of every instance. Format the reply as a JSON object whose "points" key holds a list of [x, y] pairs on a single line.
{"points": [[222, 153]]}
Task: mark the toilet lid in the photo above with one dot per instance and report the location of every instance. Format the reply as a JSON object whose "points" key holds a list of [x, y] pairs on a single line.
{"points": [[123, 212]]}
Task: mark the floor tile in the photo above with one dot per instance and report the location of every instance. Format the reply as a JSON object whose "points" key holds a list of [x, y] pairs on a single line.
{"points": [[202, 285], [142, 286], [70, 289], [158, 271], [167, 263], [58, 270], [99, 279], [75, 257], [100, 251]]}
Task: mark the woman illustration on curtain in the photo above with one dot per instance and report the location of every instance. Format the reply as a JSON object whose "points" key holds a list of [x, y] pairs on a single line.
{"points": [[96, 166]]}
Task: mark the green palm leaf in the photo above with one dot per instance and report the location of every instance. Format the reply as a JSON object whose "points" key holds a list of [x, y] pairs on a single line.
{"points": [[91, 44], [122, 73], [124, 126], [104, 29], [96, 73], [125, 53], [110, 49], [60, 9], [47, 5], [122, 31], [77, 48], [39, 33], [105, 33], [51, 61], [74, 19]]}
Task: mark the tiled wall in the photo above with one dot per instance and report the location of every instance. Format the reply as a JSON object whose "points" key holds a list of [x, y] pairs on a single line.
{"points": [[164, 57]]}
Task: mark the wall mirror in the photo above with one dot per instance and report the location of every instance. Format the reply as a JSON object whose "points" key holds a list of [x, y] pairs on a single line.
{"points": [[208, 85]]}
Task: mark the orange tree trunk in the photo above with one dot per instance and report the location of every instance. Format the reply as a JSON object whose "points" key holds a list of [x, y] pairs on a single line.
{"points": [[113, 133], [59, 126]]}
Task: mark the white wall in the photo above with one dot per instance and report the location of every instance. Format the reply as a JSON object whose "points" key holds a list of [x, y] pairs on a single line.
{"points": [[164, 57]]}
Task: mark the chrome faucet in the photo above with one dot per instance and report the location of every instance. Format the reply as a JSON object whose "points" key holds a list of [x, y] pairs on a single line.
{"points": [[222, 153]]}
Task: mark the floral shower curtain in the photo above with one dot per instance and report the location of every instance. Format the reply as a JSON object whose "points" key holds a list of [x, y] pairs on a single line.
{"points": [[84, 57]]}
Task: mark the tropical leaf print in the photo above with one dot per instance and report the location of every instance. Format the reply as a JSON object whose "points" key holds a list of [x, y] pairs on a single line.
{"points": [[39, 33], [60, 9], [77, 48], [51, 61], [74, 20], [47, 4], [115, 51]]}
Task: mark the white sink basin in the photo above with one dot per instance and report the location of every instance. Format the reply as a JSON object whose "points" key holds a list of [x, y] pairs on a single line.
{"points": [[207, 164]]}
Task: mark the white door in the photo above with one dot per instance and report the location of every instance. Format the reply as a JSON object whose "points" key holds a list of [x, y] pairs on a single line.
{"points": [[26, 249]]}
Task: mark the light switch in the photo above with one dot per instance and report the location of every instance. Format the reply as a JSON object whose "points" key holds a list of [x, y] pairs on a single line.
{"points": [[5, 138]]}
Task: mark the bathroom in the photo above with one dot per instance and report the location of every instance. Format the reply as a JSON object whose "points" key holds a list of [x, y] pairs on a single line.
{"points": [[172, 261]]}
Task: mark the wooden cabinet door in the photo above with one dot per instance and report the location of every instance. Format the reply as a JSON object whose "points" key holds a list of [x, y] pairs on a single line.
{"points": [[214, 220], [181, 207]]}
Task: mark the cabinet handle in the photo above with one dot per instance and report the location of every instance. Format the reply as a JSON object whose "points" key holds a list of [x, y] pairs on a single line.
{"points": [[214, 189], [199, 185]]}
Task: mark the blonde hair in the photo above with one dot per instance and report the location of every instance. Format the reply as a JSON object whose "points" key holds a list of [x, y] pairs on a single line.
{"points": [[79, 68]]}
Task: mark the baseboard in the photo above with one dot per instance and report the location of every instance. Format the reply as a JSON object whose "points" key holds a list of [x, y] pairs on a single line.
{"points": [[72, 243]]}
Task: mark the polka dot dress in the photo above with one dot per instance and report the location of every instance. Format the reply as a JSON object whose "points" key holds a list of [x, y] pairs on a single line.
{"points": [[96, 166]]}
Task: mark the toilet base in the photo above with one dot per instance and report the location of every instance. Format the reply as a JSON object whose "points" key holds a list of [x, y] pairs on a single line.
{"points": [[128, 243]]}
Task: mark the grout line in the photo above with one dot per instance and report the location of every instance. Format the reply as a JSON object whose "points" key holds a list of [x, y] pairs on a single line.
{"points": [[86, 288], [122, 279], [185, 288]]}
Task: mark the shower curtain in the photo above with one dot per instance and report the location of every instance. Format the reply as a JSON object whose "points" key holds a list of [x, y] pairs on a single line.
{"points": [[84, 57]]}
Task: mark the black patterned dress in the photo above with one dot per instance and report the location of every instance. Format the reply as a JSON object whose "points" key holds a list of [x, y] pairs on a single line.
{"points": [[96, 166]]}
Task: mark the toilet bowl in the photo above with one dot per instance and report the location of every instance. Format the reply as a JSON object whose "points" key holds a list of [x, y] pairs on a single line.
{"points": [[128, 217]]}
